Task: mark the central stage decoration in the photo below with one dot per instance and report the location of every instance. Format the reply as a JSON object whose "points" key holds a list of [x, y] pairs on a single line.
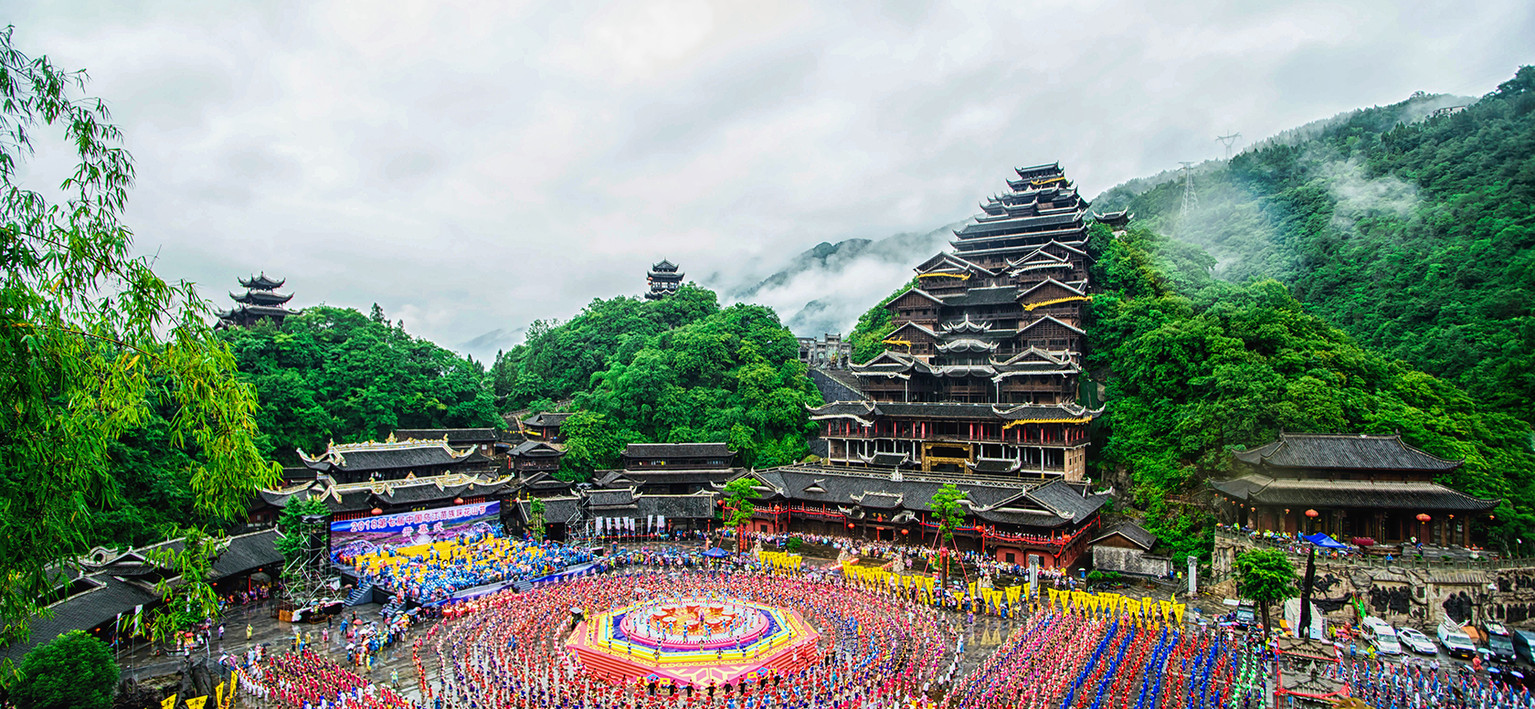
{"points": [[695, 640]]}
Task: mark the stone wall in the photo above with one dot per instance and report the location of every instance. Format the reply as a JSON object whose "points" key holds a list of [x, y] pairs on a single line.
{"points": [[1130, 561], [1411, 593]]}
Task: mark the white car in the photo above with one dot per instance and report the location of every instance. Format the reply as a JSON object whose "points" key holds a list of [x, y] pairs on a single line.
{"points": [[1384, 640], [1416, 641]]}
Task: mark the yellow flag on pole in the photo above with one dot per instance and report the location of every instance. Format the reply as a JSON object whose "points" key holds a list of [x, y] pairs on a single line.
{"points": [[168, 702], [196, 702]]}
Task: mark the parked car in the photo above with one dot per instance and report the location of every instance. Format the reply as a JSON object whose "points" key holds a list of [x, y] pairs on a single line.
{"points": [[1383, 637], [1416, 641], [1524, 645], [1499, 642], [1456, 643], [1246, 618]]}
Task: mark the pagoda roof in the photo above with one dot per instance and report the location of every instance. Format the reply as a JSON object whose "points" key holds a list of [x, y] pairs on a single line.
{"points": [[666, 276], [1315, 492], [536, 449], [678, 450], [912, 325], [1130, 532], [1344, 452], [389, 455], [1036, 170], [1008, 227], [1052, 504], [664, 265], [262, 282], [544, 419], [1048, 281], [456, 436], [945, 258], [990, 295], [1057, 321], [1042, 356], [1119, 218], [919, 292], [261, 297], [866, 411]]}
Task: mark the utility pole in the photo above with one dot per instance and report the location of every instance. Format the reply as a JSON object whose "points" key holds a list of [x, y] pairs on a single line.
{"points": [[1190, 200], [1228, 140]]}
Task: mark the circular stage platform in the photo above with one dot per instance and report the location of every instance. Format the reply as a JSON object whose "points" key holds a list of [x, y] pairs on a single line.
{"points": [[695, 640]]}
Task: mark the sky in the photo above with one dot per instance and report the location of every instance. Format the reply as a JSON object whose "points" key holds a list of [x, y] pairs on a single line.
{"points": [[473, 166]]}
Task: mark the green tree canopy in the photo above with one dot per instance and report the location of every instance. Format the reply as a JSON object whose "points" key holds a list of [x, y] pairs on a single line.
{"points": [[72, 671], [1201, 367], [739, 494], [1265, 576], [91, 341], [336, 374], [680, 369]]}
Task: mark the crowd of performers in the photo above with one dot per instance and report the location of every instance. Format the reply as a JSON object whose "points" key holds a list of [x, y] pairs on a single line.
{"points": [[306, 679], [1392, 685], [1073, 659], [509, 651], [432, 573], [879, 647]]}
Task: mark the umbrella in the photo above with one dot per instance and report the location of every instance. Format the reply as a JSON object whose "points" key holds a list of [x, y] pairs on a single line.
{"points": [[716, 553]]}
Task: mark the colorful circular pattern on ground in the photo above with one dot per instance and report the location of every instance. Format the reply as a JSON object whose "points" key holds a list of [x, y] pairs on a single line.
{"points": [[695, 640]]}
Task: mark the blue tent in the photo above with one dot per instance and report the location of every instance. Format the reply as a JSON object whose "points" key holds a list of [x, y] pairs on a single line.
{"points": [[1324, 541], [716, 553]]}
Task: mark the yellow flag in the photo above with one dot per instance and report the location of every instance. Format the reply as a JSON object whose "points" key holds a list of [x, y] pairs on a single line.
{"points": [[169, 702], [196, 702], [218, 693]]}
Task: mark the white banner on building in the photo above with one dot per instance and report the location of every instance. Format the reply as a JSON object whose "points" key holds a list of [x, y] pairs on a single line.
{"points": [[660, 523]]}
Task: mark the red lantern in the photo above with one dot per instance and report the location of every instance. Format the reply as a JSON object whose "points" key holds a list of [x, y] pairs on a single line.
{"points": [[458, 500], [1313, 514], [906, 531], [849, 525], [377, 511], [1423, 517]]}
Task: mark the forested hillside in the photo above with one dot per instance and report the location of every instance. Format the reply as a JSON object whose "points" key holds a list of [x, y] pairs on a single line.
{"points": [[336, 374], [1199, 366], [1418, 239], [673, 370]]}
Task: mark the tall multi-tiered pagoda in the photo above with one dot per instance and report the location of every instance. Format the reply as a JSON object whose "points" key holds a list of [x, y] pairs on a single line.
{"points": [[984, 359], [664, 280], [260, 301]]}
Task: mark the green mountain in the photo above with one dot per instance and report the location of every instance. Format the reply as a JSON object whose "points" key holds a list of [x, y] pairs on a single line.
{"points": [[1408, 226]]}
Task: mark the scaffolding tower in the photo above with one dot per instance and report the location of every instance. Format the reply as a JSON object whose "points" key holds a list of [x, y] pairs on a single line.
{"points": [[307, 576]]}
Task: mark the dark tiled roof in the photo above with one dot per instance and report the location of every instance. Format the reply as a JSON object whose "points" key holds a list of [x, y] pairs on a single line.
{"points": [[889, 460], [395, 457], [1132, 532], [677, 450], [537, 449], [1354, 452], [951, 410], [1004, 228], [557, 510], [836, 385], [699, 506], [547, 418], [1262, 490], [596, 499], [983, 296], [455, 436]]}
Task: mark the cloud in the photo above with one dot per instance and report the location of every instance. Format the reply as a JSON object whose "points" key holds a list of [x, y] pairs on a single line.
{"points": [[473, 166]]}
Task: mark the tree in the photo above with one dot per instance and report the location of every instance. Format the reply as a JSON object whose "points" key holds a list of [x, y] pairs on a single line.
{"points": [[90, 340], [739, 494], [948, 508], [536, 508], [187, 597], [71, 671], [1265, 576]]}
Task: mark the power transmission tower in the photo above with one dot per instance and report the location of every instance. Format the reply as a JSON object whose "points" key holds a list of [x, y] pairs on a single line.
{"points": [[1190, 200], [1228, 140]]}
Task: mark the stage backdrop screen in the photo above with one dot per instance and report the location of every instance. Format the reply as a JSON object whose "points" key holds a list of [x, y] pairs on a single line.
{"points": [[360, 536]]}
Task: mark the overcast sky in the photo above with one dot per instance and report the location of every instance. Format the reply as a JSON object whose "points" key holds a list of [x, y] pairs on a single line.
{"points": [[474, 166]]}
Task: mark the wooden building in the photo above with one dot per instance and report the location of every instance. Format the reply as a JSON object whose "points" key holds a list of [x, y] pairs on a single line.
{"points": [[1005, 520], [1357, 486], [395, 460], [531, 457], [261, 301], [664, 279], [983, 370], [544, 426], [360, 499]]}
